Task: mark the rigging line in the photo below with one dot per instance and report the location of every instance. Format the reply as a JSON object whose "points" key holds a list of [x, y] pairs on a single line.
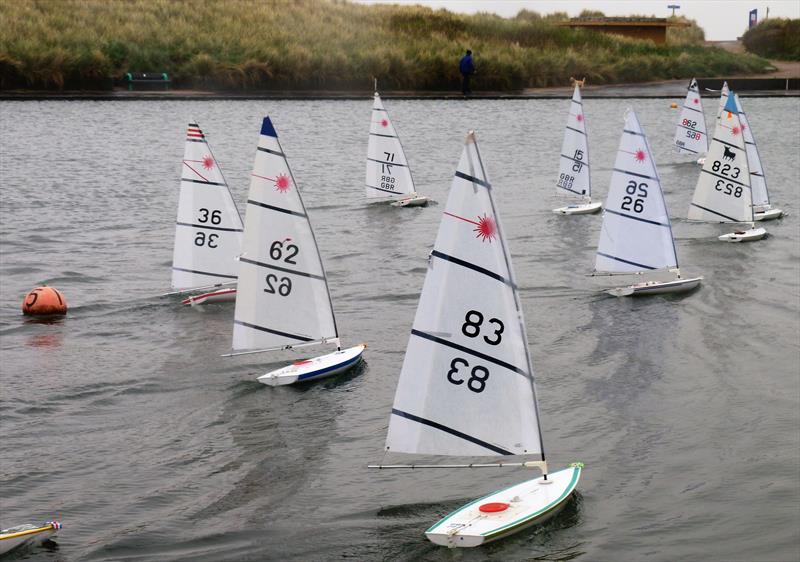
{"points": [[196, 172]]}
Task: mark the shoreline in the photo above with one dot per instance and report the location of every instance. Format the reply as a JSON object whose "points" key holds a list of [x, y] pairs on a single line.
{"points": [[746, 87]]}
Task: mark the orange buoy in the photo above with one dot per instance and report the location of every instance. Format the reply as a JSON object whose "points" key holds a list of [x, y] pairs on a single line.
{"points": [[43, 301], [673, 105]]}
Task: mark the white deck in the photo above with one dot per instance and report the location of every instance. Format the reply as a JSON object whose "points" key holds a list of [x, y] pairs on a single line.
{"points": [[657, 287], [412, 201], [582, 209], [218, 296], [749, 235], [529, 503]]}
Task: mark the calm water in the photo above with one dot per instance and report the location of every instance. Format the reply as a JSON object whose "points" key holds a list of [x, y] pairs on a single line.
{"points": [[124, 422]]}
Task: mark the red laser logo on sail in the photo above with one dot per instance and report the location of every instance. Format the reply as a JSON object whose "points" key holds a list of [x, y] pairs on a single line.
{"points": [[696, 101], [282, 183], [735, 130], [384, 122], [579, 117], [208, 162], [485, 226], [640, 155]]}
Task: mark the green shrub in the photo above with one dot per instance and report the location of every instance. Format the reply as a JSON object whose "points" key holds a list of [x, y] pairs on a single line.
{"points": [[774, 38]]}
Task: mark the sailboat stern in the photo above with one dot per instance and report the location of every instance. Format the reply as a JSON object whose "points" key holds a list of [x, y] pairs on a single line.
{"points": [[506, 512], [316, 368]]}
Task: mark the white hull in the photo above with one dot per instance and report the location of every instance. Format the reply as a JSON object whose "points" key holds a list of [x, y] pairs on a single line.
{"points": [[768, 214], [412, 201], [316, 368], [582, 209], [528, 503], [749, 235], [657, 287], [15, 537], [214, 297]]}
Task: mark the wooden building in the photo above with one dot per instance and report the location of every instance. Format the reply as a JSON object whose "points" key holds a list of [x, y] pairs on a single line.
{"points": [[654, 29]]}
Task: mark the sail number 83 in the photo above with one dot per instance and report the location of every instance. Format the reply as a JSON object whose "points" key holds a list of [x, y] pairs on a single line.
{"points": [[473, 321]]}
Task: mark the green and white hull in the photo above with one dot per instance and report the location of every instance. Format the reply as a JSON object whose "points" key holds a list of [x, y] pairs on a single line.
{"points": [[506, 512]]}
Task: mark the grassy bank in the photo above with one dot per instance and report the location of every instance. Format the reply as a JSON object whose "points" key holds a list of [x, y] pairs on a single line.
{"points": [[307, 44], [775, 39]]}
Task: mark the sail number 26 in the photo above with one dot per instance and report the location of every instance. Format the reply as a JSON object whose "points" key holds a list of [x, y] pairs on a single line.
{"points": [[637, 193]]}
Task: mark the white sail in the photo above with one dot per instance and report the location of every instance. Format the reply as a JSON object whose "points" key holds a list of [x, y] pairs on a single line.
{"points": [[723, 192], [723, 99], [208, 231], [758, 181], [636, 234], [574, 175], [466, 386], [690, 134], [282, 297], [388, 173]]}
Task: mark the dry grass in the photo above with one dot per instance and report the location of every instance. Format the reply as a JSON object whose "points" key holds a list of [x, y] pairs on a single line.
{"points": [[320, 44]]}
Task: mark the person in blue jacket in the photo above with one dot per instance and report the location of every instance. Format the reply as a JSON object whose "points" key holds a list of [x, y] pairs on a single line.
{"points": [[467, 68]]}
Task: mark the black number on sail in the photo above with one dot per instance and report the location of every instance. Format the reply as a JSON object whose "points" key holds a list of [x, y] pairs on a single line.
{"points": [[284, 286], [640, 190], [729, 188], [276, 251], [201, 239], [472, 327], [478, 375], [215, 216]]}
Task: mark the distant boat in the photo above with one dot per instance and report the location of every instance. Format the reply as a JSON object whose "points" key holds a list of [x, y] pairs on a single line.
{"points": [[762, 209], [636, 236], [388, 173], [14, 537], [690, 134], [283, 300], [723, 98], [723, 192], [466, 387], [208, 231], [574, 173]]}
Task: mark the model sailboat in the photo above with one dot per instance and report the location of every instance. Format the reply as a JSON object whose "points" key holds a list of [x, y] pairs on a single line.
{"points": [[574, 174], [388, 174], [762, 209], [283, 300], [208, 231], [636, 236], [690, 134], [466, 387], [723, 192]]}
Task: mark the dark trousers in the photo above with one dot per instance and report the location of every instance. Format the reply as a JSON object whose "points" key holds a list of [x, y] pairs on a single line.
{"points": [[465, 84]]}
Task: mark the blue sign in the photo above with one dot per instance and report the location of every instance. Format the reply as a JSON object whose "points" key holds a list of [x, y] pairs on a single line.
{"points": [[753, 18]]}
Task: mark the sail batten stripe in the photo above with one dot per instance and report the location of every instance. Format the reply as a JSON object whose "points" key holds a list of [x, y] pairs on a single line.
{"points": [[451, 431], [632, 132], [271, 331], [205, 273], [635, 174], [582, 162], [386, 162], [279, 209], [472, 266], [690, 129], [385, 136], [578, 102], [282, 269], [203, 140], [204, 182], [447, 343], [609, 256], [728, 144], [576, 130], [718, 214], [472, 179], [688, 149], [692, 108], [627, 216], [275, 152], [205, 227], [379, 109], [725, 178], [384, 190]]}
